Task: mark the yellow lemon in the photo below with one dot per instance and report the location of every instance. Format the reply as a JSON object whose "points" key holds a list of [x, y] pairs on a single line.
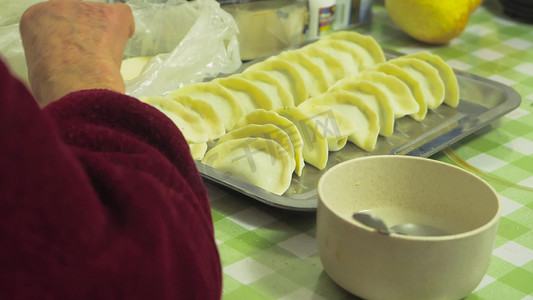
{"points": [[430, 21]]}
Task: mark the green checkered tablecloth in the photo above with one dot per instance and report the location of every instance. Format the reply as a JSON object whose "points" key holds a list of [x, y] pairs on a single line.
{"points": [[270, 253]]}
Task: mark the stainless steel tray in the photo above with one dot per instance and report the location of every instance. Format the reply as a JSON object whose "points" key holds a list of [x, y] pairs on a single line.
{"points": [[482, 101]]}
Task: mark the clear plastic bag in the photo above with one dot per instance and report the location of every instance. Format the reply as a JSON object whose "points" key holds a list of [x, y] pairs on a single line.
{"points": [[191, 41], [12, 52], [10, 10], [11, 49]]}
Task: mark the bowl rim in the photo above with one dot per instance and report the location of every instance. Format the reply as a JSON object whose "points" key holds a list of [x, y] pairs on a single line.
{"points": [[493, 221]]}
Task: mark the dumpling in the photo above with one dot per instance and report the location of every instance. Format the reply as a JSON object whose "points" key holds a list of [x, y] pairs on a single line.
{"points": [[224, 103], [215, 126], [260, 162], [190, 124], [266, 131], [249, 96], [278, 94], [313, 76], [412, 84], [332, 66], [286, 73], [401, 97], [364, 41], [376, 98], [133, 67], [198, 150], [333, 126], [364, 117], [451, 86], [353, 57], [315, 147], [261, 116], [428, 77]]}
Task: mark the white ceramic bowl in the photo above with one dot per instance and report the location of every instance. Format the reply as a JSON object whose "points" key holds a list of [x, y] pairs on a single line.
{"points": [[373, 265]]}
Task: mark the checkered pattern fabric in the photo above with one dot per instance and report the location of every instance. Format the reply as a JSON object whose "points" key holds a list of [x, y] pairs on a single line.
{"points": [[269, 253]]}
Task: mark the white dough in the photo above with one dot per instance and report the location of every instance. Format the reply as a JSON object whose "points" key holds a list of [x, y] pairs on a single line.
{"points": [[261, 162]]}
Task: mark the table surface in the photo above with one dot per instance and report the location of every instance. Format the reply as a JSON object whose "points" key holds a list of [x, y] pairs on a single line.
{"points": [[270, 253]]}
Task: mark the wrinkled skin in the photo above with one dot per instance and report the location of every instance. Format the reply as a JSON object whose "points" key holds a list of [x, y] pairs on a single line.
{"points": [[73, 45]]}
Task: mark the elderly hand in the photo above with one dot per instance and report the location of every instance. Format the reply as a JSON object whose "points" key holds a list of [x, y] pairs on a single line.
{"points": [[73, 45]]}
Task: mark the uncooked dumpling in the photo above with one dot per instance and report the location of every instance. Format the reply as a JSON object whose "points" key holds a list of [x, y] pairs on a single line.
{"points": [[198, 150], [215, 126], [286, 73], [376, 98], [249, 96], [224, 103], [314, 77], [315, 148], [401, 97], [262, 116], [190, 124], [266, 131], [364, 41], [331, 65], [133, 67], [278, 94], [353, 57], [428, 77], [451, 86], [333, 126], [364, 117], [261, 162], [412, 84]]}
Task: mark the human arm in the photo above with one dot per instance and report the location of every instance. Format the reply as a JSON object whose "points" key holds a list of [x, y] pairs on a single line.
{"points": [[99, 199], [72, 45]]}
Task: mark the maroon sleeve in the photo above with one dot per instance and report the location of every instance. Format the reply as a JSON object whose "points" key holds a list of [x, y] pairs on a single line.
{"points": [[99, 199]]}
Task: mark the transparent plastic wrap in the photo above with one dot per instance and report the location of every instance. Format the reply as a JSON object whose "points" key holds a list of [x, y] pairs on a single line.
{"points": [[10, 10], [12, 52], [11, 49], [187, 42]]}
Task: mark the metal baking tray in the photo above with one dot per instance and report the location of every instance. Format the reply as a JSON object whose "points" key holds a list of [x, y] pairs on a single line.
{"points": [[482, 101]]}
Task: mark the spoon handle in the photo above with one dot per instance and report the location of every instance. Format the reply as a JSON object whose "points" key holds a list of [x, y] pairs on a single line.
{"points": [[371, 221]]}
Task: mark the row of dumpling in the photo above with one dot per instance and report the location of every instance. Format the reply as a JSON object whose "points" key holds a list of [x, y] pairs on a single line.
{"points": [[267, 147], [373, 99], [318, 97], [286, 79]]}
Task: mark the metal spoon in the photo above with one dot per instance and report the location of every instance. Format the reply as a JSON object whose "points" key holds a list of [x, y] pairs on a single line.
{"points": [[404, 228]]}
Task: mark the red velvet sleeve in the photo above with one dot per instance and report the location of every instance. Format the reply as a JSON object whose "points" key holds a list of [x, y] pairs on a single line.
{"points": [[99, 199]]}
